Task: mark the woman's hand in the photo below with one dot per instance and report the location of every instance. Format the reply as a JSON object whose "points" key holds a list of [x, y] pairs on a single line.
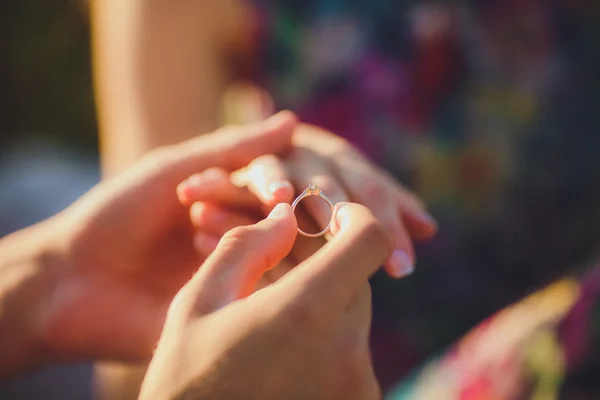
{"points": [[304, 337], [219, 203]]}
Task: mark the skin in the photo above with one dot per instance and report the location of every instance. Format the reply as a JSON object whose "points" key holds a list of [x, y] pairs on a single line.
{"points": [[95, 281], [166, 71], [305, 336], [98, 280], [334, 168]]}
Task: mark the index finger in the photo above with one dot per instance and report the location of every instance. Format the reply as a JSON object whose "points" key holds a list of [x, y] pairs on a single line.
{"points": [[231, 147], [335, 273]]}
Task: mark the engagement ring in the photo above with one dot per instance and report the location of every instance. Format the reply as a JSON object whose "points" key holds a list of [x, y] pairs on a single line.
{"points": [[312, 190]]}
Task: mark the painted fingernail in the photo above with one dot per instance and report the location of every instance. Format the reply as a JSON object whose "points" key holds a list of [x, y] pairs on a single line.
{"points": [[400, 264], [274, 187], [279, 211]]}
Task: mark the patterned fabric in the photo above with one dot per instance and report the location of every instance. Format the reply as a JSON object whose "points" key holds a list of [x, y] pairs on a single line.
{"points": [[535, 349], [489, 111]]}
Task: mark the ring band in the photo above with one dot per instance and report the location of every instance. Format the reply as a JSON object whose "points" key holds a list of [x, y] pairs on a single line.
{"points": [[312, 190]]}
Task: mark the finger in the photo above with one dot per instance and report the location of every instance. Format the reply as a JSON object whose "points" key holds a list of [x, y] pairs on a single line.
{"points": [[355, 170], [214, 186], [309, 168], [368, 186], [205, 243], [231, 147], [419, 223], [402, 260], [217, 220], [335, 273], [267, 180], [384, 208], [233, 270], [273, 275]]}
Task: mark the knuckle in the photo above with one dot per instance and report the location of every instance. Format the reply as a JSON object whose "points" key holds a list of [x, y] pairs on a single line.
{"points": [[238, 238], [245, 241], [302, 317], [372, 189], [181, 307], [267, 259], [298, 155], [376, 236]]}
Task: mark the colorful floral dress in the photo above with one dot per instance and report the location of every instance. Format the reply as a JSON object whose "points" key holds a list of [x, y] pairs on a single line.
{"points": [[489, 110]]}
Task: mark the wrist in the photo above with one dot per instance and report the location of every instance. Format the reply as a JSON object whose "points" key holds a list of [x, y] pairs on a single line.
{"points": [[31, 260]]}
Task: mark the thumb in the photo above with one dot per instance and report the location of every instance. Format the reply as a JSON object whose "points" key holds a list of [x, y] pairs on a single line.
{"points": [[233, 270]]}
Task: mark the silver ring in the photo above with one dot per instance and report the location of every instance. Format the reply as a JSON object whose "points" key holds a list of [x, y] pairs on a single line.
{"points": [[312, 190]]}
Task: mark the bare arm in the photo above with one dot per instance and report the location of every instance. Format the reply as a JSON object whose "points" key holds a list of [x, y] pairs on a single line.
{"points": [[161, 67], [28, 263]]}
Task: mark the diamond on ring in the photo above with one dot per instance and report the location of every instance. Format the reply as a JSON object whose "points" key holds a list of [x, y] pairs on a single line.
{"points": [[312, 190]]}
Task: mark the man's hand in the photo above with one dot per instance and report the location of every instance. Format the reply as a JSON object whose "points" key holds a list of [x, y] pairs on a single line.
{"points": [[303, 337], [96, 280]]}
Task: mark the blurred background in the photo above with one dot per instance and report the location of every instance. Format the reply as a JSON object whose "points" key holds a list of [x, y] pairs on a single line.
{"points": [[48, 141], [488, 110]]}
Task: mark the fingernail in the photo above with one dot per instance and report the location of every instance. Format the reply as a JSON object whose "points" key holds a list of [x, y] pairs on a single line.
{"points": [[279, 211], [194, 180], [275, 186], [400, 264], [184, 186]]}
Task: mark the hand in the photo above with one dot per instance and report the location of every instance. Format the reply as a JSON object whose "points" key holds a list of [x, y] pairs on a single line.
{"points": [[304, 337], [129, 246], [317, 157]]}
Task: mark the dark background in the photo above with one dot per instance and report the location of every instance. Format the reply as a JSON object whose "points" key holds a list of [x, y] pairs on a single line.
{"points": [[48, 141]]}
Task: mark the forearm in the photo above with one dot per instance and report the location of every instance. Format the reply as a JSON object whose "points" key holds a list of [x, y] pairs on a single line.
{"points": [[28, 261], [160, 69]]}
